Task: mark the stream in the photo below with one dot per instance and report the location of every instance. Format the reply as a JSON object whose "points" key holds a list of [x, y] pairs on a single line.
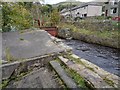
{"points": [[104, 57]]}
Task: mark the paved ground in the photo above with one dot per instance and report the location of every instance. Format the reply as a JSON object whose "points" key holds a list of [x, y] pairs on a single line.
{"points": [[41, 78], [28, 44]]}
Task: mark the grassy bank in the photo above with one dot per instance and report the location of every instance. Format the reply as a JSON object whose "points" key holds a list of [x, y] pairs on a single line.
{"points": [[108, 38], [104, 34]]}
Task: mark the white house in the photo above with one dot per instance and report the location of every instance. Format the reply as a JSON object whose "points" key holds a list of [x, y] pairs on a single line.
{"points": [[84, 10], [111, 8]]}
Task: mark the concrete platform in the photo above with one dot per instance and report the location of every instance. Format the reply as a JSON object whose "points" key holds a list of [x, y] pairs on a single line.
{"points": [[28, 44]]}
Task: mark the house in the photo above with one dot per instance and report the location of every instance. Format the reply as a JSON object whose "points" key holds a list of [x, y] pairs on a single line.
{"points": [[111, 8], [84, 10], [65, 12]]}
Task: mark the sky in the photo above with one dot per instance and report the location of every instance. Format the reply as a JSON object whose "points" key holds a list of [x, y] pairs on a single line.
{"points": [[57, 1]]}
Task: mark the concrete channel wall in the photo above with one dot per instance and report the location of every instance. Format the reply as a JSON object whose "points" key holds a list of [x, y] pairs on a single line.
{"points": [[15, 68]]}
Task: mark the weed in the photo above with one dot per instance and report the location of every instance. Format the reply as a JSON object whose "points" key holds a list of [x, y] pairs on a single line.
{"points": [[9, 57], [21, 39], [4, 83], [77, 78], [73, 74]]}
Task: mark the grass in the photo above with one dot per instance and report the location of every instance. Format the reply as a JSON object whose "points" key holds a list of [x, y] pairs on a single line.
{"points": [[9, 57], [21, 39], [75, 76], [6, 82], [79, 62], [0, 62], [113, 34]]}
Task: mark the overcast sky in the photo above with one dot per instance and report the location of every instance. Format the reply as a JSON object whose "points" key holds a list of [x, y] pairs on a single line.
{"points": [[57, 1]]}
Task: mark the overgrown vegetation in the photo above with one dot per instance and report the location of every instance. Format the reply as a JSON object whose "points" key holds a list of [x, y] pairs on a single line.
{"points": [[77, 78], [112, 34], [55, 17], [15, 16], [6, 82]]}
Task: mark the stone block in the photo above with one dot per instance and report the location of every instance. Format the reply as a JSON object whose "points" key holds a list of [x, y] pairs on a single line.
{"points": [[75, 56], [63, 75], [8, 69], [95, 80]]}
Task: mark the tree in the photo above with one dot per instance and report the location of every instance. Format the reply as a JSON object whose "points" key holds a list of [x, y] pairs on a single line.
{"points": [[20, 17], [6, 11], [16, 15], [55, 17]]}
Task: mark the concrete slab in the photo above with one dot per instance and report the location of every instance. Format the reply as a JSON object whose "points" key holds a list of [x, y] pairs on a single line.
{"points": [[28, 44], [63, 75], [41, 78], [8, 69]]}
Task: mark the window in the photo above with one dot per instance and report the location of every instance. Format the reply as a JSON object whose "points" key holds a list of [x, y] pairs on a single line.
{"points": [[78, 13], [115, 2], [85, 15], [113, 10]]}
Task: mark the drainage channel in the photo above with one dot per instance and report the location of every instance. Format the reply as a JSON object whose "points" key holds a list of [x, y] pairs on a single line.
{"points": [[104, 57]]}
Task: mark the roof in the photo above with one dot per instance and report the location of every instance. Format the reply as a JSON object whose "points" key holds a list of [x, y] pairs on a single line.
{"points": [[86, 4], [82, 5]]}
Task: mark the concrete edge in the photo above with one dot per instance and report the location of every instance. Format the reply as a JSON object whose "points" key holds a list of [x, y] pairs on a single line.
{"points": [[102, 73], [63, 75], [10, 68]]}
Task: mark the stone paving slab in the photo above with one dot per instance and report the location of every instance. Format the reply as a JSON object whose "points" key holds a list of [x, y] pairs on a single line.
{"points": [[28, 44], [63, 75], [94, 79], [102, 73], [90, 76]]}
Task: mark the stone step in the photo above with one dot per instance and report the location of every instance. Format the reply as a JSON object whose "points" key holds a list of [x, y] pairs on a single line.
{"points": [[63, 75], [102, 73], [92, 78]]}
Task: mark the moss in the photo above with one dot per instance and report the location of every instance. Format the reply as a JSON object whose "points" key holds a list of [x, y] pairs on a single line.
{"points": [[78, 61], [21, 39], [111, 83], [76, 77], [4, 83], [58, 79], [9, 57], [0, 62]]}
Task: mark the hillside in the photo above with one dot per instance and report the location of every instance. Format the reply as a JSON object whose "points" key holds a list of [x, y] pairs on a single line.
{"points": [[67, 3]]}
